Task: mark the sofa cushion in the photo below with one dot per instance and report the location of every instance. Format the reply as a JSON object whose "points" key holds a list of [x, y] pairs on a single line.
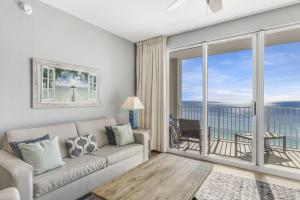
{"points": [[42, 156], [115, 154], [63, 131], [73, 170], [97, 128]]}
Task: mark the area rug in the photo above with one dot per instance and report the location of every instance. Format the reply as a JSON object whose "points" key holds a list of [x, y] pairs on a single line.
{"points": [[221, 186]]}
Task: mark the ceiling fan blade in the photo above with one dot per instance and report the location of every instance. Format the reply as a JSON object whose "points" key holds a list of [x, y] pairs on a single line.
{"points": [[215, 5], [175, 4]]}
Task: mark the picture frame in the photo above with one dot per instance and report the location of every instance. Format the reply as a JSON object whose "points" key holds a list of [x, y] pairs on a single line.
{"points": [[57, 84]]}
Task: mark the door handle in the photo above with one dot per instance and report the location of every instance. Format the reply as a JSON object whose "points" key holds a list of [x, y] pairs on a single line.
{"points": [[254, 108]]}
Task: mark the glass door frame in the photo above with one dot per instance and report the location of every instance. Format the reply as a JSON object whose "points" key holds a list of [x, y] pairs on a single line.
{"points": [[204, 122], [262, 45], [258, 45], [253, 38], [180, 87]]}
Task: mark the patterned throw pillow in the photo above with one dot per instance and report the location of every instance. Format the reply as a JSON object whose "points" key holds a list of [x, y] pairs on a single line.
{"points": [[81, 145]]}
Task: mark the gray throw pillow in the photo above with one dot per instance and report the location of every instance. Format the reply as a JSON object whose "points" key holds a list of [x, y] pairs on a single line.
{"points": [[123, 134], [110, 134], [15, 145], [81, 145], [42, 156]]}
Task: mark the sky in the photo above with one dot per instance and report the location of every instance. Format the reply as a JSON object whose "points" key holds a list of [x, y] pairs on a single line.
{"points": [[68, 78], [230, 75]]}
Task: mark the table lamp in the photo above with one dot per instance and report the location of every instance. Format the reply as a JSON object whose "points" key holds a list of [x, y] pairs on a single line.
{"points": [[133, 104]]}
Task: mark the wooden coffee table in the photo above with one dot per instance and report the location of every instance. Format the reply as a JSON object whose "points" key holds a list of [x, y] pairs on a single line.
{"points": [[165, 176]]}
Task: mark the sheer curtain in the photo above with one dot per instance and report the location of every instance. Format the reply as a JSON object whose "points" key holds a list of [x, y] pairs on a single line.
{"points": [[151, 60]]}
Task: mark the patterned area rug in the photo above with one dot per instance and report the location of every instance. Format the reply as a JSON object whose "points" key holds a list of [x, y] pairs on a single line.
{"points": [[220, 186]]}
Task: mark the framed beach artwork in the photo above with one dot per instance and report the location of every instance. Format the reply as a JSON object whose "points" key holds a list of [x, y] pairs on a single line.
{"points": [[58, 84]]}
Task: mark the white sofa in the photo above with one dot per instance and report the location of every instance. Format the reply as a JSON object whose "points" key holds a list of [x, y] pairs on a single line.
{"points": [[79, 175], [9, 194]]}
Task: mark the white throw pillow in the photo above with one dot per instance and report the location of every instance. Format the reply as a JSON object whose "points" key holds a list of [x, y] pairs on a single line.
{"points": [[123, 134], [42, 156]]}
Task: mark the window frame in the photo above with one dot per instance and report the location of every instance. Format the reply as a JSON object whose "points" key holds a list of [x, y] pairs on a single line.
{"points": [[47, 88], [258, 158], [92, 86]]}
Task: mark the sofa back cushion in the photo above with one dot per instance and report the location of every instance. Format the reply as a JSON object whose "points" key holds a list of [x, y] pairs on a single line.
{"points": [[97, 128], [63, 131]]}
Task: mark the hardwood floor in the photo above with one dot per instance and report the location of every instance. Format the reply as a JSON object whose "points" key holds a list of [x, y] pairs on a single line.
{"points": [[252, 175]]}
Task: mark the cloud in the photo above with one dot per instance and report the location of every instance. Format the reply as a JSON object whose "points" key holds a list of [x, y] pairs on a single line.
{"points": [[230, 75]]}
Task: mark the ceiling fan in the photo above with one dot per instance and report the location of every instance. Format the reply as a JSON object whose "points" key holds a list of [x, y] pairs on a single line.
{"points": [[214, 5]]}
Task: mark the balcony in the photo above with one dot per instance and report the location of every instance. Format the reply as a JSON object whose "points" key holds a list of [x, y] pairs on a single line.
{"points": [[227, 121]]}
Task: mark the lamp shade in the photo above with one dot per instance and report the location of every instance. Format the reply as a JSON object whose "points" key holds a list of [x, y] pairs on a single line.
{"points": [[133, 103]]}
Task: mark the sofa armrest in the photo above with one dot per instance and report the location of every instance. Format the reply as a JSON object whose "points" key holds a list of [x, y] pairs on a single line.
{"points": [[142, 137], [14, 172], [9, 194]]}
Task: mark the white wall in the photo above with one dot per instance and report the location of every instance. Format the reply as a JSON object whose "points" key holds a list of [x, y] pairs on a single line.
{"points": [[52, 34], [257, 22]]}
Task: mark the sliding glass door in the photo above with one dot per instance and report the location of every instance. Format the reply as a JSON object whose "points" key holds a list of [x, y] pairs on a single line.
{"points": [[282, 98], [185, 100], [237, 100], [230, 95], [229, 120]]}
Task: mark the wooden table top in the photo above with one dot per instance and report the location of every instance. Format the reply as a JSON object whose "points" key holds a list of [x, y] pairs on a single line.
{"points": [[166, 176]]}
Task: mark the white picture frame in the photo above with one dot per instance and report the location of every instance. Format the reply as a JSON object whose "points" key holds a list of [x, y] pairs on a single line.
{"points": [[61, 85]]}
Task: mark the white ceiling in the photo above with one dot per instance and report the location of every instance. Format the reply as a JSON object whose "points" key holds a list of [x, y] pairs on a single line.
{"points": [[138, 20]]}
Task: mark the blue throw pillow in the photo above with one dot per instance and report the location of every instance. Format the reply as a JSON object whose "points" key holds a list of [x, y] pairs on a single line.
{"points": [[15, 145], [110, 135]]}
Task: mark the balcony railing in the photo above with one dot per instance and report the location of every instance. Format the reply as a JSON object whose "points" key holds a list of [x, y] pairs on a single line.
{"points": [[226, 121]]}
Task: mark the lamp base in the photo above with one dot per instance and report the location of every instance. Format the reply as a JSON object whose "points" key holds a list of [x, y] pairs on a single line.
{"points": [[133, 118]]}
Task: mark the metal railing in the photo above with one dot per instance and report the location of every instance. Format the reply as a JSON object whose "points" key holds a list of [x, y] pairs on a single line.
{"points": [[226, 121]]}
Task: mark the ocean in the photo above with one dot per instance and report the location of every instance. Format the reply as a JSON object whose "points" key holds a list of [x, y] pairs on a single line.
{"points": [[227, 119]]}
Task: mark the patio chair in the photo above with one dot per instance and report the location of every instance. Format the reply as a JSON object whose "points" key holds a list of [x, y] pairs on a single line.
{"points": [[190, 131], [174, 133]]}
